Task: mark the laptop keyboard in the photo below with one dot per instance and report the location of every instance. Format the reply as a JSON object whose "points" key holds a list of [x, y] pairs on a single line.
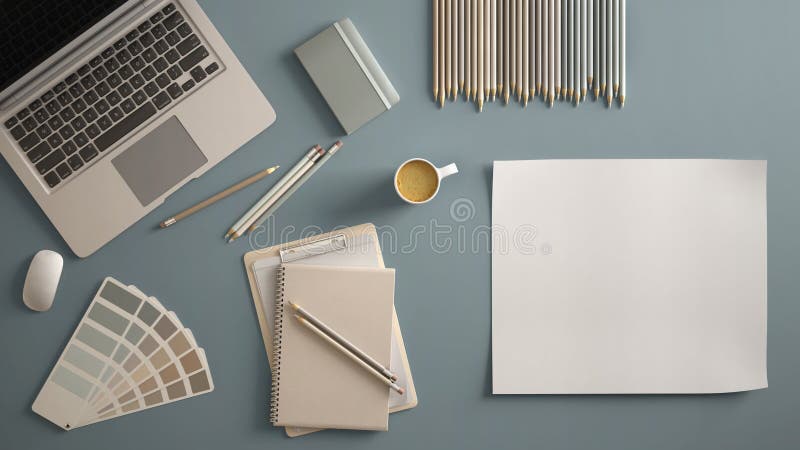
{"points": [[137, 78]]}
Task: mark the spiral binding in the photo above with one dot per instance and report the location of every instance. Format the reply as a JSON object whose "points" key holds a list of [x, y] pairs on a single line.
{"points": [[276, 347]]}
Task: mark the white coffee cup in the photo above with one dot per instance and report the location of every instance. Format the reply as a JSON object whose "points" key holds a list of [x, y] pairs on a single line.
{"points": [[440, 173]]}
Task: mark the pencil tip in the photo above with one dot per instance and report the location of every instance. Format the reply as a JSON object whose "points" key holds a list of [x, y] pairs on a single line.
{"points": [[621, 101], [480, 105], [616, 90], [608, 100], [506, 96], [525, 100]]}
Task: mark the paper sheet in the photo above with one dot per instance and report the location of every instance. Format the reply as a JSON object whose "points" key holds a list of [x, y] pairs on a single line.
{"points": [[629, 276]]}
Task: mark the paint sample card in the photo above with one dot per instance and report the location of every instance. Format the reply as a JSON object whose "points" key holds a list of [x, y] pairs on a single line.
{"points": [[127, 354]]}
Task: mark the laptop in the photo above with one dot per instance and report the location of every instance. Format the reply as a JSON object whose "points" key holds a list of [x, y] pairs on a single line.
{"points": [[107, 107]]}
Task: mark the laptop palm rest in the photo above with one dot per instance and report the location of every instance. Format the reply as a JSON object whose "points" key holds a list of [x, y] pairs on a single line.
{"points": [[159, 161]]}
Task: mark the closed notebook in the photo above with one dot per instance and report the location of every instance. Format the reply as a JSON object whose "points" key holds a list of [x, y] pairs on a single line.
{"points": [[313, 384]]}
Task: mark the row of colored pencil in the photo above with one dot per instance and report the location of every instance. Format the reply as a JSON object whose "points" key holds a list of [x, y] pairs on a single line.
{"points": [[553, 49]]}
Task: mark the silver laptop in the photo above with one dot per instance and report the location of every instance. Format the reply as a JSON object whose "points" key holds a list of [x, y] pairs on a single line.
{"points": [[109, 106]]}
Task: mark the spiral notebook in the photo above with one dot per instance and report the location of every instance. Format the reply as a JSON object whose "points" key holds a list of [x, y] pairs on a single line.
{"points": [[313, 385]]}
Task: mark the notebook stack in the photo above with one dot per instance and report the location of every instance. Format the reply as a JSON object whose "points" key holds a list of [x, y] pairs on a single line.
{"points": [[326, 309]]}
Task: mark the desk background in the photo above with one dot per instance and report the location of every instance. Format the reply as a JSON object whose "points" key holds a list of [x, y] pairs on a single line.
{"points": [[707, 80]]}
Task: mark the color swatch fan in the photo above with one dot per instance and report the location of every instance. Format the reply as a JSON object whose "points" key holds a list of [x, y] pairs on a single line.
{"points": [[127, 354]]}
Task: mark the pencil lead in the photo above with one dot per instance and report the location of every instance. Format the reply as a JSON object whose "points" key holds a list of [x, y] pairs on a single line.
{"points": [[577, 99], [551, 99], [602, 89], [461, 85], [480, 105], [441, 101], [608, 99], [539, 87], [544, 94], [506, 96], [596, 93], [525, 100], [589, 80], [583, 94], [570, 93], [494, 93], [621, 101], [616, 90]]}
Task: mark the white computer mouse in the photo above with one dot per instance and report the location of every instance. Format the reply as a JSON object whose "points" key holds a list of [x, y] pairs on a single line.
{"points": [[42, 280]]}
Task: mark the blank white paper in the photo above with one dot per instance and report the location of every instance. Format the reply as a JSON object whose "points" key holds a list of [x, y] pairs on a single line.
{"points": [[629, 276]]}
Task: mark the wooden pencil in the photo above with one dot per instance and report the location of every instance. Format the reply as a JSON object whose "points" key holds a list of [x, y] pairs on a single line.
{"points": [[622, 53], [435, 50]]}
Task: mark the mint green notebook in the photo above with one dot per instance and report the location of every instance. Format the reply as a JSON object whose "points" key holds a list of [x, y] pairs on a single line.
{"points": [[347, 74]]}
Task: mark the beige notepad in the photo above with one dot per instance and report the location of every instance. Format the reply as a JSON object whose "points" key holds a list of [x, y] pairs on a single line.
{"points": [[313, 384]]}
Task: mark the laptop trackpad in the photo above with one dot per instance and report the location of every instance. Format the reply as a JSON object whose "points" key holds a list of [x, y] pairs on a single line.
{"points": [[159, 161]]}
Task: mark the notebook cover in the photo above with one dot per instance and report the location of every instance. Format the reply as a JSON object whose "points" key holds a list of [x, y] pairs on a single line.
{"points": [[313, 384], [347, 75], [250, 258]]}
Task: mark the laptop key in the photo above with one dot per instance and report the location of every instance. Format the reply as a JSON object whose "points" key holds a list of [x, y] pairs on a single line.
{"points": [[67, 132], [72, 78], [114, 80], [174, 72], [128, 106], [188, 85], [172, 56], [184, 29], [144, 26], [123, 56], [104, 122], [139, 97], [88, 153], [161, 46], [92, 131], [149, 55], [111, 65], [132, 35], [162, 80], [100, 73], [161, 100], [11, 122], [113, 98], [30, 124], [55, 122], [17, 132], [90, 97], [90, 115], [125, 126], [174, 90], [168, 9], [96, 61], [188, 44], [64, 98], [101, 107], [107, 52], [119, 45], [137, 81], [88, 81], [172, 38], [63, 170], [43, 131], [52, 179], [115, 114], [39, 152], [55, 140], [173, 21], [149, 72], [193, 58], [125, 90], [151, 89], [75, 162], [69, 148], [81, 139], [135, 48], [160, 64], [53, 107], [158, 31], [126, 72], [23, 114], [78, 124], [50, 161], [156, 18], [102, 89], [84, 69], [67, 114], [76, 90], [36, 104], [47, 96], [41, 115], [59, 87], [79, 105], [29, 141]]}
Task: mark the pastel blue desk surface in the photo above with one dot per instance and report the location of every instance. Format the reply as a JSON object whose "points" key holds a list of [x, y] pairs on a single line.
{"points": [[706, 81]]}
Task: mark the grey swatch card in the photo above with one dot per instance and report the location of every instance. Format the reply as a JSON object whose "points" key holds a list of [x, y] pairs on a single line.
{"points": [[347, 75]]}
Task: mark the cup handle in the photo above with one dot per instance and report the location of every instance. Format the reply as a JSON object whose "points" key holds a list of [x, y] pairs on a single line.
{"points": [[447, 170]]}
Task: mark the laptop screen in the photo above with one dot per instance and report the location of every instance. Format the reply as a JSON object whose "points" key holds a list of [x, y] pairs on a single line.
{"points": [[32, 30]]}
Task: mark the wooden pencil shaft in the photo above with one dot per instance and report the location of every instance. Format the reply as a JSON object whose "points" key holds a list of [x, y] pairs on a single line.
{"points": [[622, 52], [435, 50], [460, 44], [350, 355], [217, 197]]}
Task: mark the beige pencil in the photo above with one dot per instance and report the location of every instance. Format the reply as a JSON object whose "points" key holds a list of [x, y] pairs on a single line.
{"points": [[487, 49], [350, 355], [603, 47], [616, 48], [621, 53], [589, 44], [460, 46], [536, 42], [564, 48], [571, 49], [467, 48], [217, 197], [501, 45], [609, 51], [448, 48], [442, 53], [551, 51], [545, 50], [474, 38], [520, 37], [596, 47], [493, 49], [506, 50], [512, 45], [526, 51], [576, 44], [435, 50], [481, 61], [583, 50], [557, 48]]}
